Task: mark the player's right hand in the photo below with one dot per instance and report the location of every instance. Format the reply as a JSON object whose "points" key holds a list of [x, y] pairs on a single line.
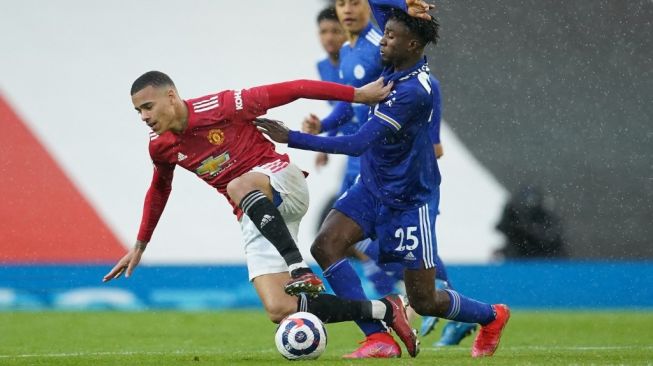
{"points": [[312, 125], [126, 263]]}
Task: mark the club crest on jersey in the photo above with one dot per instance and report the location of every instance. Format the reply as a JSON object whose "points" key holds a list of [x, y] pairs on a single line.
{"points": [[215, 136], [213, 165]]}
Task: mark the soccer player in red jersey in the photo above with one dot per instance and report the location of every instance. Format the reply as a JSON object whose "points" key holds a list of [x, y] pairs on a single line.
{"points": [[214, 137]]}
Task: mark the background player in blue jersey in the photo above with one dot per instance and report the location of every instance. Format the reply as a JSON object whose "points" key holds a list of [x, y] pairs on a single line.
{"points": [[360, 63], [332, 36], [399, 180]]}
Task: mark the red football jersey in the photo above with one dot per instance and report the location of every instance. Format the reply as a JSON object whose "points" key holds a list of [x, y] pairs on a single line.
{"points": [[220, 142]]}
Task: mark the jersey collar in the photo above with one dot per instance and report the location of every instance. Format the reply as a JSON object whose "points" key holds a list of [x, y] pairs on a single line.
{"points": [[389, 74]]}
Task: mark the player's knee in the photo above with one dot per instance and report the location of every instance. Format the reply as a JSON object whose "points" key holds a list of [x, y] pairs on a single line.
{"points": [[322, 250], [239, 187], [235, 189], [276, 313]]}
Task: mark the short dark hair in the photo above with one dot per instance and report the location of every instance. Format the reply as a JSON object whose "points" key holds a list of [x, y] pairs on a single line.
{"points": [[151, 78], [425, 30], [328, 13]]}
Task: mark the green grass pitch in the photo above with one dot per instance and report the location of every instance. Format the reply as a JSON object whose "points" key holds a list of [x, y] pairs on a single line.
{"points": [[246, 338]]}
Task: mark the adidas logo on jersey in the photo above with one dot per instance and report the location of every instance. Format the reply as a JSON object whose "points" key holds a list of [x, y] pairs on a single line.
{"points": [[410, 257], [181, 157], [266, 219]]}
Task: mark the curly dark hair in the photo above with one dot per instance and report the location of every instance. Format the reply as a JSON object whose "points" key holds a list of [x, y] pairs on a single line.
{"points": [[427, 31]]}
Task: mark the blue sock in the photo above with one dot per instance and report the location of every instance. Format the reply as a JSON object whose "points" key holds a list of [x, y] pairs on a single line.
{"points": [[464, 309], [345, 283], [383, 284]]}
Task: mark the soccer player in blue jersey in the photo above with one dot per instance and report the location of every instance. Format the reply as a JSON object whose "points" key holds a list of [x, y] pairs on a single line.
{"points": [[399, 179], [332, 36], [362, 62]]}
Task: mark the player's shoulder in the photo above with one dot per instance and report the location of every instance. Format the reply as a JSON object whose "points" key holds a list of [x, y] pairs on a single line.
{"points": [[415, 87], [206, 103], [372, 36], [327, 71], [159, 143], [209, 108], [323, 63]]}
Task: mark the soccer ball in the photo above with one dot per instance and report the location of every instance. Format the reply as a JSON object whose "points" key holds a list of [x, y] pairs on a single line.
{"points": [[301, 336]]}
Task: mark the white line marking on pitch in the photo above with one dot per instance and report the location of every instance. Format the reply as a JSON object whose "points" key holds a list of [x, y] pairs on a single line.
{"points": [[217, 352]]}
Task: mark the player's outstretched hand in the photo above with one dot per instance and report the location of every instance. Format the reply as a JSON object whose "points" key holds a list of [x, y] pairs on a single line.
{"points": [[126, 263], [276, 130], [373, 92], [419, 9], [312, 125]]}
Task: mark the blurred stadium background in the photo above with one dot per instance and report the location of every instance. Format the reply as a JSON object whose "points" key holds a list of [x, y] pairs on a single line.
{"points": [[555, 95]]}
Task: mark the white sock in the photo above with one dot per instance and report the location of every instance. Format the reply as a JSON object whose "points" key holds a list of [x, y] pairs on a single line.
{"points": [[294, 266], [378, 309]]}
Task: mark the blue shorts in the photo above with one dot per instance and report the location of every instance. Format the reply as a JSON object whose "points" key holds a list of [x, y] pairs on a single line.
{"points": [[404, 235]]}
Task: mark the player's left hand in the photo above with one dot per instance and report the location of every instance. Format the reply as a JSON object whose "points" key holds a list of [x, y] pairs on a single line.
{"points": [[373, 92], [276, 130], [419, 9]]}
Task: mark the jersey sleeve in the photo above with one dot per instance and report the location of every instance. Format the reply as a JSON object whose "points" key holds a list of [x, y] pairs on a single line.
{"points": [[248, 104], [341, 113], [436, 115], [156, 196], [381, 10], [245, 104], [397, 109], [352, 145], [155, 200]]}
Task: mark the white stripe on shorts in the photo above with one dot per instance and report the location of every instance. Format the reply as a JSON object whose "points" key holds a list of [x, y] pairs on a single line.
{"points": [[427, 244]]}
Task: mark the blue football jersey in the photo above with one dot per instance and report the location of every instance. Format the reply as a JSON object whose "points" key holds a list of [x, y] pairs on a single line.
{"points": [[359, 65], [402, 170], [329, 72]]}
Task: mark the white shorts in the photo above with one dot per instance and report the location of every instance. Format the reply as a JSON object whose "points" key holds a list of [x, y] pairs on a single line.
{"points": [[290, 183]]}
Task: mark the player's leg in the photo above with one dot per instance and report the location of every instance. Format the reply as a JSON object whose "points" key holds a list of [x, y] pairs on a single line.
{"points": [[255, 193], [453, 332], [338, 233], [276, 302], [419, 279], [449, 304]]}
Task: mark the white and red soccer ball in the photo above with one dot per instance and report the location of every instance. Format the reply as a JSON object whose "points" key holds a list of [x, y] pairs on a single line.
{"points": [[301, 336]]}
